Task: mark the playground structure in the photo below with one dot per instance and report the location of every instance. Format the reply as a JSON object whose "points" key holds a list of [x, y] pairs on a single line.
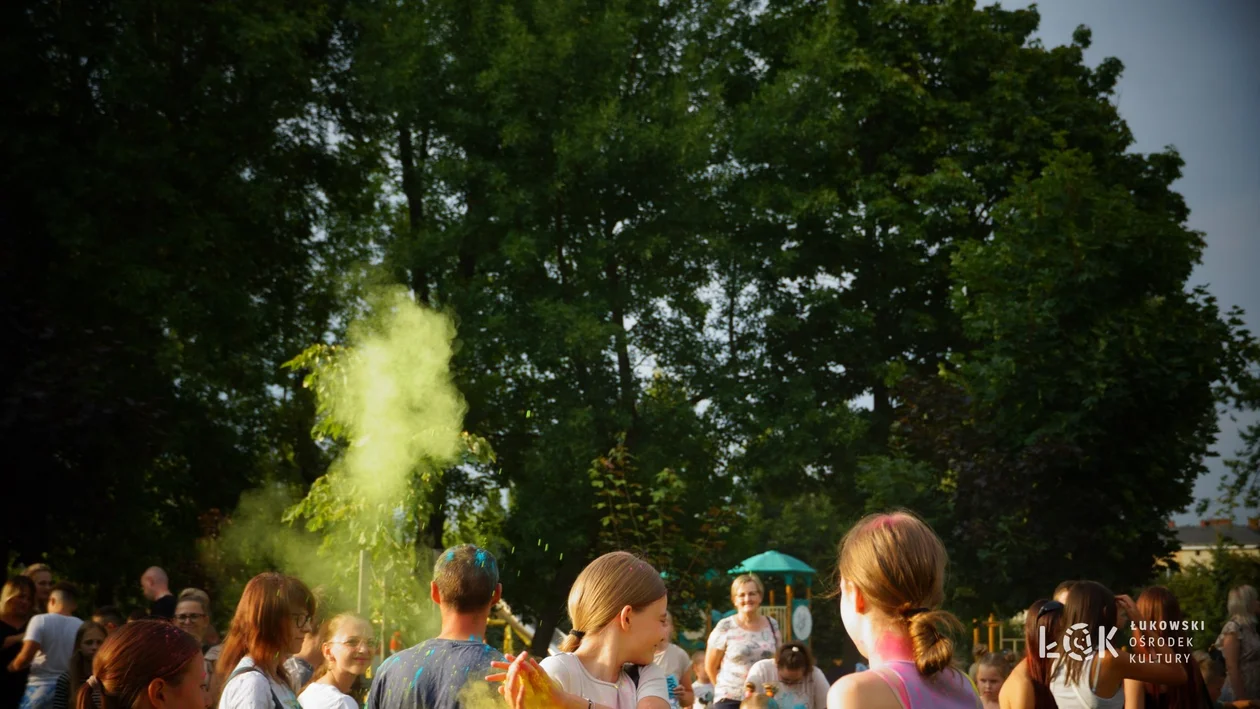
{"points": [[514, 630], [996, 631]]}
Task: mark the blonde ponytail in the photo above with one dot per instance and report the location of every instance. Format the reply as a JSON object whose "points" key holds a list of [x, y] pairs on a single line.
{"points": [[899, 563], [607, 585]]}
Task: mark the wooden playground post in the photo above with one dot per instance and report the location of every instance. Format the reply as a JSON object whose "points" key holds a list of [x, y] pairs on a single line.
{"points": [[787, 632]]}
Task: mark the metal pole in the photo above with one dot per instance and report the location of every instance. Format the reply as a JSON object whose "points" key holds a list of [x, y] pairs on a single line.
{"points": [[362, 581]]}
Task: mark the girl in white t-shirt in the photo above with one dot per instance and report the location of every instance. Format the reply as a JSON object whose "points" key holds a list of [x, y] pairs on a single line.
{"points": [[617, 606], [271, 620], [792, 678], [347, 647]]}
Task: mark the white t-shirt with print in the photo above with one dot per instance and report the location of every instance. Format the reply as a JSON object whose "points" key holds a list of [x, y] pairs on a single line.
{"points": [[55, 634], [741, 650], [255, 690], [318, 695], [809, 693], [567, 670]]}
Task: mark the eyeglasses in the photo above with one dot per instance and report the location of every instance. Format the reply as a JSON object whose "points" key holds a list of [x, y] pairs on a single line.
{"points": [[189, 617], [357, 643], [302, 619]]}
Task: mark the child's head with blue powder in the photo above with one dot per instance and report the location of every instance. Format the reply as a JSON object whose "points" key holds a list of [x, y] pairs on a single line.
{"points": [[466, 579]]}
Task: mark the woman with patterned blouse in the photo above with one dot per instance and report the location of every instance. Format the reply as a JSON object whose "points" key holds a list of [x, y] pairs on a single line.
{"points": [[738, 642]]}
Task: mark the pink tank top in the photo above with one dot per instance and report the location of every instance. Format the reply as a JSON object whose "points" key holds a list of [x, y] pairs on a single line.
{"points": [[949, 689]]}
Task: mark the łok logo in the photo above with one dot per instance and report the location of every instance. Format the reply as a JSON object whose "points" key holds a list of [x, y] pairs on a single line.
{"points": [[1078, 643]]}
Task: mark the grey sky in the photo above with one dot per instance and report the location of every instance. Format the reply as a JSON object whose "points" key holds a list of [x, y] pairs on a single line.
{"points": [[1191, 80]]}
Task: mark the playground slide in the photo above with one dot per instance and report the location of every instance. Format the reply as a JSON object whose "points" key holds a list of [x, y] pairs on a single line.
{"points": [[503, 612]]}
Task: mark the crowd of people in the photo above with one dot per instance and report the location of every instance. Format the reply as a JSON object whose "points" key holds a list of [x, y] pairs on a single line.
{"points": [[282, 651]]}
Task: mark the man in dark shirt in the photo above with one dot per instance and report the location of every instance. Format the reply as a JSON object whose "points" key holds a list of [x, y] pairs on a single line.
{"points": [[443, 672], [157, 589]]}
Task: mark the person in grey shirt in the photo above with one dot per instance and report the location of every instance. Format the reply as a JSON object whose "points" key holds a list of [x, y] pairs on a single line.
{"points": [[436, 673]]}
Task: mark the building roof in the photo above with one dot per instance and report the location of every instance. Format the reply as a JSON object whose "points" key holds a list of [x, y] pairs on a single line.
{"points": [[1201, 536]]}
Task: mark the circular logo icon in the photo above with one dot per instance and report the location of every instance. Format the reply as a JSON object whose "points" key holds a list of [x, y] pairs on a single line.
{"points": [[802, 623], [1077, 642]]}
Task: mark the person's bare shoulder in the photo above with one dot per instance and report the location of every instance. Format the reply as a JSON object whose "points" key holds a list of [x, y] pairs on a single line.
{"points": [[861, 690], [1017, 690]]}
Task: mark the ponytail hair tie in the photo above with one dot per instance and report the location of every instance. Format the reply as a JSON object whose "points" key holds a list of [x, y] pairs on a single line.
{"points": [[93, 682], [577, 634]]}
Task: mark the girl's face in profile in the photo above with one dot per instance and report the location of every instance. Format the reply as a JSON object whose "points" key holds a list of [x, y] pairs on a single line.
{"points": [[648, 631]]}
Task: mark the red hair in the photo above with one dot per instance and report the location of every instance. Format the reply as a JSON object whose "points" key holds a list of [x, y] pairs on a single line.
{"points": [[1156, 604], [1039, 667], [132, 657], [263, 624]]}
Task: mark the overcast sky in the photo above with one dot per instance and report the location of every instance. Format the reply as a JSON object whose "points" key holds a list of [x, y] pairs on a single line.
{"points": [[1192, 80]]}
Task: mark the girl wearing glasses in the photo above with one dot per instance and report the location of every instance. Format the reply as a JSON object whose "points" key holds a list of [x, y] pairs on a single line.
{"points": [[273, 615], [347, 648]]}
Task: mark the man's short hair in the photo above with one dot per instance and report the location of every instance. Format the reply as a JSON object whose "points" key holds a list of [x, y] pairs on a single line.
{"points": [[65, 592], [466, 577], [108, 614]]}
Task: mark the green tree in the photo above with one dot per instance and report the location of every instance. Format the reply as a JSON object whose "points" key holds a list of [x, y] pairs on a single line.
{"points": [[173, 219]]}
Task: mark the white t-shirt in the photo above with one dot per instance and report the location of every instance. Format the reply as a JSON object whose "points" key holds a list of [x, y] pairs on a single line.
{"points": [[704, 694], [809, 693], [255, 690], [318, 695], [673, 660], [567, 670], [55, 635]]}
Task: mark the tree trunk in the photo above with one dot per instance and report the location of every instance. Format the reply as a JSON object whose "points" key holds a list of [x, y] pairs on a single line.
{"points": [[413, 190], [555, 608]]}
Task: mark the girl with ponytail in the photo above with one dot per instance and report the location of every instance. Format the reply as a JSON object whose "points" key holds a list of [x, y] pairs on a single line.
{"points": [[891, 577], [147, 664], [617, 606]]}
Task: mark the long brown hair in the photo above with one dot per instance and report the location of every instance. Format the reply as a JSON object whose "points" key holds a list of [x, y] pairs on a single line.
{"points": [[80, 665], [132, 657], [900, 543], [1156, 604], [1092, 606], [262, 626], [608, 584], [1039, 668]]}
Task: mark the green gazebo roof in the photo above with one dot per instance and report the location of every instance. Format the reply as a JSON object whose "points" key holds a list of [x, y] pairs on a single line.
{"points": [[773, 562]]}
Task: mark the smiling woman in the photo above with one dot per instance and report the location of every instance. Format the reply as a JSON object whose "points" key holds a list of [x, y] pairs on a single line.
{"points": [[618, 609], [346, 642], [739, 641]]}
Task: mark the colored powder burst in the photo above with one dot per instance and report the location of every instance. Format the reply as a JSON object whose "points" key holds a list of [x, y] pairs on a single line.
{"points": [[481, 557], [450, 556]]}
